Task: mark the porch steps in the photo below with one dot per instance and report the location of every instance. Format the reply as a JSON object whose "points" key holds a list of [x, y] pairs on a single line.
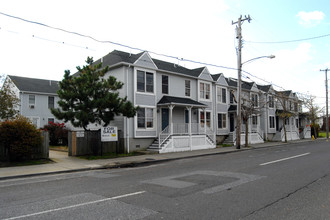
{"points": [[155, 145], [229, 139]]}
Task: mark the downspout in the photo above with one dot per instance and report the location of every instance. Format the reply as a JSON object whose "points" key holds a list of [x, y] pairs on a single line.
{"points": [[127, 120]]}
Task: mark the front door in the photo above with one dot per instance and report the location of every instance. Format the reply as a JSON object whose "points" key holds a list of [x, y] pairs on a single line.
{"points": [[165, 118], [231, 122]]}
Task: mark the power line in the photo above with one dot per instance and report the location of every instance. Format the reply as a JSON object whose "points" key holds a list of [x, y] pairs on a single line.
{"points": [[142, 50], [287, 41]]}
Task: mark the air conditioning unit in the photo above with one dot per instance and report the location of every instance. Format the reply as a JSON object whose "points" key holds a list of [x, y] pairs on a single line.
{"points": [[31, 106]]}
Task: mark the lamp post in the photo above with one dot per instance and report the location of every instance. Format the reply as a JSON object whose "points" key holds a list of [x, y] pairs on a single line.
{"points": [[239, 91]]}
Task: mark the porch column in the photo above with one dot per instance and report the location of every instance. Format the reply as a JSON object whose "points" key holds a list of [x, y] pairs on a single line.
{"points": [[204, 121], [189, 125], [171, 118]]}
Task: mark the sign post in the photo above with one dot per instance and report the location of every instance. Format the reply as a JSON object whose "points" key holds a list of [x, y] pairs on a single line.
{"points": [[108, 134]]}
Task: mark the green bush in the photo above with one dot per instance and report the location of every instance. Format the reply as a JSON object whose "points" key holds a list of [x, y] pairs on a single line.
{"points": [[20, 138], [58, 134]]}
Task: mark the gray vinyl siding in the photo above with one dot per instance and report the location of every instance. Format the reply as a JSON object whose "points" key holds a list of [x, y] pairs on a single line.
{"points": [[205, 75], [145, 62], [222, 108], [40, 109], [176, 86], [145, 99]]}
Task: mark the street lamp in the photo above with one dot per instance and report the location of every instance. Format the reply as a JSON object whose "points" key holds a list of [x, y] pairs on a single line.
{"points": [[239, 91]]}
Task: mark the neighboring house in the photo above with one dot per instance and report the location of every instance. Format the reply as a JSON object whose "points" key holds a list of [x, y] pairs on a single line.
{"points": [[36, 97]]}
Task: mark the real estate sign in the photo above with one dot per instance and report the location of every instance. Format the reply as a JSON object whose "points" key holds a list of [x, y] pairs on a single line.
{"points": [[109, 133]]}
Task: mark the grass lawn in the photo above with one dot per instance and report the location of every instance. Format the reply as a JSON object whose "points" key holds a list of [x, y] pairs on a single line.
{"points": [[111, 155], [59, 148], [322, 134]]}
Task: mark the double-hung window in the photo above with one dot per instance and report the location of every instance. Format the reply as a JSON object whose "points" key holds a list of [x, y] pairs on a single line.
{"points": [[222, 120], [221, 95], [255, 120], [271, 122], [187, 87], [32, 101], [231, 96], [51, 102], [205, 91], [271, 101], [145, 118], [205, 119], [145, 81], [164, 84], [254, 99]]}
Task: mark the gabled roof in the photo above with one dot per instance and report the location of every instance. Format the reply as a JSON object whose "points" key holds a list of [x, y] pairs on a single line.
{"points": [[25, 84], [264, 88], [171, 67], [167, 100], [245, 85], [286, 93], [117, 56], [216, 76]]}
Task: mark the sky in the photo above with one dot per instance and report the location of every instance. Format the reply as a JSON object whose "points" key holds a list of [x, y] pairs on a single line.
{"points": [[61, 37]]}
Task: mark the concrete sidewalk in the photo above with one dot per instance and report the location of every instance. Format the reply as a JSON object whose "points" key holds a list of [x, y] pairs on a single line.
{"points": [[63, 163]]}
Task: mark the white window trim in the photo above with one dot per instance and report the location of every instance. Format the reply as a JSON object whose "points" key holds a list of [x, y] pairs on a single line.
{"points": [[35, 101], [31, 119], [226, 115], [255, 94], [203, 99], [211, 117], [221, 87], [185, 88], [168, 84], [135, 81], [269, 122], [273, 101], [154, 122]]}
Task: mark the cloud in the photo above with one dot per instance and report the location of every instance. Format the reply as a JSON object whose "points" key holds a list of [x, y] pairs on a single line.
{"points": [[310, 18]]}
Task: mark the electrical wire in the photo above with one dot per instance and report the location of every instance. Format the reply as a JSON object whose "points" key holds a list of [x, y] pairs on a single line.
{"points": [[287, 41], [152, 52]]}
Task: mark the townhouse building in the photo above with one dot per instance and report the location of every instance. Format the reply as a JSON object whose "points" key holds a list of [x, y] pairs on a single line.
{"points": [[180, 109]]}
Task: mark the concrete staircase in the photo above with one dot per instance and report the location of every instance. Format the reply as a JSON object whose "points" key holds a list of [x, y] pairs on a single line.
{"points": [[229, 140], [154, 147]]}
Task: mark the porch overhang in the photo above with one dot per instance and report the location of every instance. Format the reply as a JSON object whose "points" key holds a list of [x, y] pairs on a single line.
{"points": [[232, 108], [179, 101]]}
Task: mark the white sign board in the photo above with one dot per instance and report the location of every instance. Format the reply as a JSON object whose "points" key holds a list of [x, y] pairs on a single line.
{"points": [[109, 133], [80, 134]]}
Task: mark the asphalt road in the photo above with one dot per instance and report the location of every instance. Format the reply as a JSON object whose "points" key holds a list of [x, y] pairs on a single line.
{"points": [[289, 182]]}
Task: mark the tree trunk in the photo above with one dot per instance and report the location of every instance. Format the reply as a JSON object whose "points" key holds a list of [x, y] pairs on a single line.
{"points": [[246, 133], [285, 137]]}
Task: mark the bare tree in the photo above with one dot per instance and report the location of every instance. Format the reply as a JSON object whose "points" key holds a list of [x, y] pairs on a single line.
{"points": [[286, 112], [314, 111], [251, 106]]}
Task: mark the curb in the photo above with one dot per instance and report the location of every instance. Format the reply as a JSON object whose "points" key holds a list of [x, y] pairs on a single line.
{"points": [[147, 162]]}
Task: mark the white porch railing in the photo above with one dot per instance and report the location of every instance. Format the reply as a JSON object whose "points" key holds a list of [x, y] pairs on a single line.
{"points": [[163, 136], [183, 129]]}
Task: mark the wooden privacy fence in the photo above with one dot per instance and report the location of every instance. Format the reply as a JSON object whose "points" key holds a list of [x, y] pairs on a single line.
{"points": [[41, 152], [89, 143]]}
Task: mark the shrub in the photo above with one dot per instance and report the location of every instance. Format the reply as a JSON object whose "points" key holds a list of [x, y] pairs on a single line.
{"points": [[20, 138], [58, 134]]}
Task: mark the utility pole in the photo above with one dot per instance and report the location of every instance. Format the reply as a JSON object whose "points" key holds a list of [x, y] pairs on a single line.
{"points": [[239, 83], [326, 101]]}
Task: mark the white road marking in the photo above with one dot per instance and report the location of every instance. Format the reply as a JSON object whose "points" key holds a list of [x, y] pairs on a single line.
{"points": [[75, 206], [287, 158]]}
